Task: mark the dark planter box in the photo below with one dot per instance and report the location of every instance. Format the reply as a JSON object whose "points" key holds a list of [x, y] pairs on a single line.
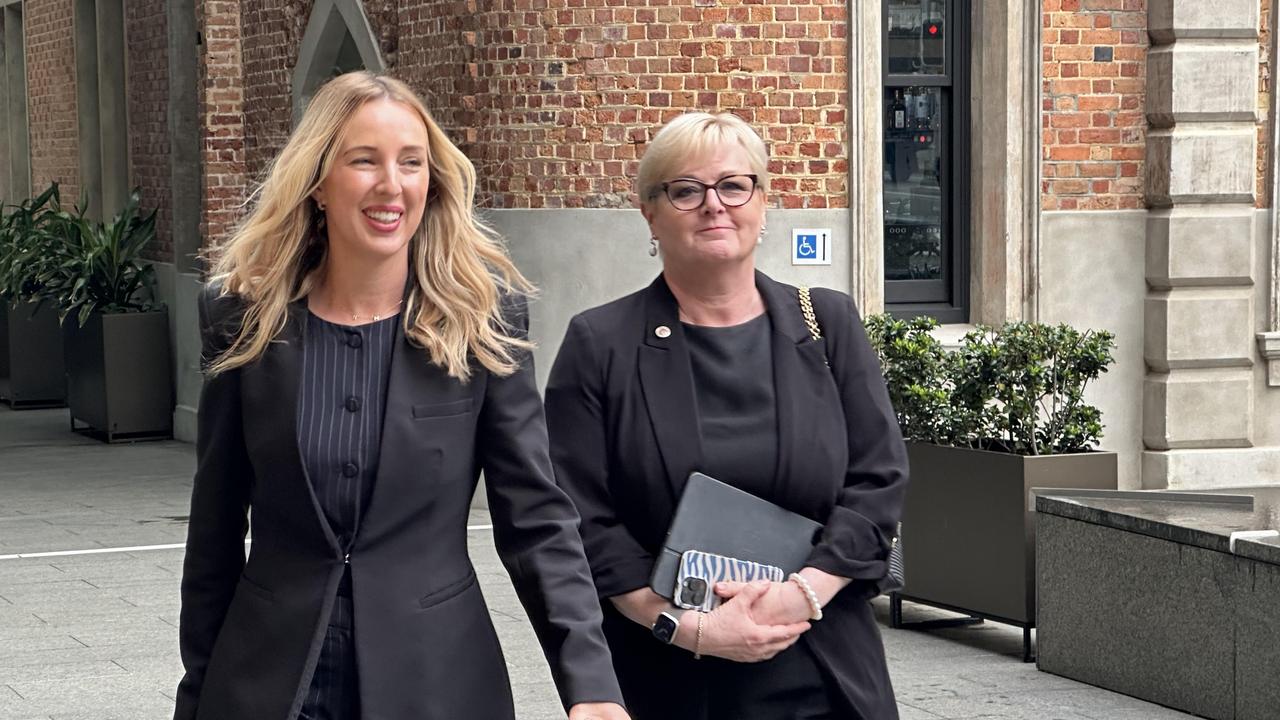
{"points": [[119, 380], [4, 347], [968, 526], [32, 348]]}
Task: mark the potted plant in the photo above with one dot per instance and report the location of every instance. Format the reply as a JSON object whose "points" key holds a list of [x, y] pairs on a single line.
{"points": [[31, 354], [986, 423], [119, 380]]}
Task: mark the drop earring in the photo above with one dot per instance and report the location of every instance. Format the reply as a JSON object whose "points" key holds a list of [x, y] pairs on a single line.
{"points": [[653, 246], [760, 237]]}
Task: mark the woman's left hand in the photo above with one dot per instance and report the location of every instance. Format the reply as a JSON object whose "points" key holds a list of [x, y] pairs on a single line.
{"points": [[784, 603], [598, 711]]}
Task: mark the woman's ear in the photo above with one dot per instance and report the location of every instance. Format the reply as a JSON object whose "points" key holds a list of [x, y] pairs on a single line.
{"points": [[647, 211], [318, 198]]}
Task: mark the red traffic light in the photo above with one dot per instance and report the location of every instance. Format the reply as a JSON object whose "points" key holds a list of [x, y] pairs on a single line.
{"points": [[933, 29]]}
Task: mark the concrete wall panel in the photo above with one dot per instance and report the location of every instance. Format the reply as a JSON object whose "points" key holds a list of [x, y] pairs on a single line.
{"points": [[1199, 328], [1200, 246], [1091, 266], [1179, 89], [583, 258], [1175, 19], [1201, 165], [1198, 409]]}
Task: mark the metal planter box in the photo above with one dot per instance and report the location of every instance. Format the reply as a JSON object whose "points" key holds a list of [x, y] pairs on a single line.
{"points": [[32, 347], [119, 380], [968, 526]]}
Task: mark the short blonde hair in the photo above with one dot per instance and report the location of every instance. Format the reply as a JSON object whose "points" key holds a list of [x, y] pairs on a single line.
{"points": [[694, 135], [458, 268]]}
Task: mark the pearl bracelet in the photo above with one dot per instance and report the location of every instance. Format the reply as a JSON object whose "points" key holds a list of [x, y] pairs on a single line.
{"points": [[809, 595]]}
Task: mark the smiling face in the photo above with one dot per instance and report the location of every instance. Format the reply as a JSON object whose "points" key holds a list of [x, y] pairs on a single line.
{"points": [[376, 190], [713, 233]]}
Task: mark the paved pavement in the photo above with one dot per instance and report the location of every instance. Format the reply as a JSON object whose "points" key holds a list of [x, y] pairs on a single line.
{"points": [[93, 636]]}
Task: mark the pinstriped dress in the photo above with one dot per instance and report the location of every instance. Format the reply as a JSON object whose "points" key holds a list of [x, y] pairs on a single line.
{"points": [[340, 406]]}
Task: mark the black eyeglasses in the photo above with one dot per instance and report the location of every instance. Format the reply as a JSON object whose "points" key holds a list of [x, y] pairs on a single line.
{"points": [[689, 194]]}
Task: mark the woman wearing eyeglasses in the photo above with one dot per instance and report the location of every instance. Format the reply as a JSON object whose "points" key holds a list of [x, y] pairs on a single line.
{"points": [[712, 368]]}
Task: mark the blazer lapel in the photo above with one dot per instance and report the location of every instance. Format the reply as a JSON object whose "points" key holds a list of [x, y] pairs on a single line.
{"points": [[271, 419], [800, 374], [666, 380], [411, 376]]}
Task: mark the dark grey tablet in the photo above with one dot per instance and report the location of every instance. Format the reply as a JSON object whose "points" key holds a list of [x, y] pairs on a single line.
{"points": [[721, 519]]}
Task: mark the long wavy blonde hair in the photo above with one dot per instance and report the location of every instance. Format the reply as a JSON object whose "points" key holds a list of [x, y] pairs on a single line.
{"points": [[459, 270]]}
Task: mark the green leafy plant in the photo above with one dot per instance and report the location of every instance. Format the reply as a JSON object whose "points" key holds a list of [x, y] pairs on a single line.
{"points": [[98, 267], [26, 240], [913, 362], [1017, 388]]}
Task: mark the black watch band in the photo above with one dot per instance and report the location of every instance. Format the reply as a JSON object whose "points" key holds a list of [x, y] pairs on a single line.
{"points": [[664, 628]]}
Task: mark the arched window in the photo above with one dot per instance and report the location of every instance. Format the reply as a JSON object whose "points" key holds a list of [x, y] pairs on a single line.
{"points": [[338, 39]]}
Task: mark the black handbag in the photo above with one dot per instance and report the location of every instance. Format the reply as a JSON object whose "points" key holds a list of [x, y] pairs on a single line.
{"points": [[895, 579]]}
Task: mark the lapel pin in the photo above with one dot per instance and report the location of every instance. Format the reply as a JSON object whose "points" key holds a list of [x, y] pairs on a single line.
{"points": [[662, 331]]}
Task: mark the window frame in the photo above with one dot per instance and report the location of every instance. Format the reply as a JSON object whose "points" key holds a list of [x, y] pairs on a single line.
{"points": [[909, 298]]}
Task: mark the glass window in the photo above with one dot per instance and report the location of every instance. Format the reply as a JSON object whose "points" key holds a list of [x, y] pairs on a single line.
{"points": [[916, 37], [913, 184], [925, 160]]}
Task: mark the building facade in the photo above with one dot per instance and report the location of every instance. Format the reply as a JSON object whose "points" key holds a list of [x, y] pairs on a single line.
{"points": [[1106, 163]]}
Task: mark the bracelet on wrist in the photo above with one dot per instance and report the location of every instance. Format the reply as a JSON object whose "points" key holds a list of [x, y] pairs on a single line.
{"points": [[697, 641], [811, 597]]}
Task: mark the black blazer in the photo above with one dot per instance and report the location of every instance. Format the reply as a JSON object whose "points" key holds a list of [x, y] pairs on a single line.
{"points": [[624, 437], [251, 631]]}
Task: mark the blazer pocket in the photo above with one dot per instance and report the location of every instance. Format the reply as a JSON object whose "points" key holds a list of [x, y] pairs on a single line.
{"points": [[255, 589], [437, 410], [448, 592]]}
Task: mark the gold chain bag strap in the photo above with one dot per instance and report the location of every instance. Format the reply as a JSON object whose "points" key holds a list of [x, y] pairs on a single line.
{"points": [[895, 579]]}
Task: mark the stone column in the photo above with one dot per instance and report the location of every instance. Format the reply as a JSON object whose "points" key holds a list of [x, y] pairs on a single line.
{"points": [[1202, 86]]}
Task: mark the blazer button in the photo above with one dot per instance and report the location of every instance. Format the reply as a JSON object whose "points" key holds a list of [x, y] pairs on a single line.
{"points": [[354, 340], [662, 331], [350, 470], [352, 404]]}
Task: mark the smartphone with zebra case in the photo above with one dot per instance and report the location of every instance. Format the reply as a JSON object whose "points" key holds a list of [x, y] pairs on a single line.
{"points": [[700, 571]]}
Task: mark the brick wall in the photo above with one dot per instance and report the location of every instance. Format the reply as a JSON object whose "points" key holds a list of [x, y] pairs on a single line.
{"points": [[1093, 124], [437, 57], [574, 89], [51, 96], [221, 118], [6, 193], [146, 31], [273, 32], [1265, 83]]}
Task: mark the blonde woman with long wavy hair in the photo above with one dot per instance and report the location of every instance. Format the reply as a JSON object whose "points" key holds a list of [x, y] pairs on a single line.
{"points": [[365, 345]]}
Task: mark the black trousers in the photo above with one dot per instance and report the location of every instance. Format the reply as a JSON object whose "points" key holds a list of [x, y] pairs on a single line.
{"points": [[334, 693]]}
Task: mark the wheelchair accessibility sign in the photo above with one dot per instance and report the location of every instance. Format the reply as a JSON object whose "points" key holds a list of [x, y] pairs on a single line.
{"points": [[811, 246]]}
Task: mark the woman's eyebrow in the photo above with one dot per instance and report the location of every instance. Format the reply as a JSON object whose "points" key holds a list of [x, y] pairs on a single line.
{"points": [[370, 148]]}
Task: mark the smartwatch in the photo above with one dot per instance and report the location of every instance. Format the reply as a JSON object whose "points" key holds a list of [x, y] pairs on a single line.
{"points": [[664, 628]]}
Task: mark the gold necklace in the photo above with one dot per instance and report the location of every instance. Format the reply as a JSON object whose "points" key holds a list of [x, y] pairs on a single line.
{"points": [[377, 316]]}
